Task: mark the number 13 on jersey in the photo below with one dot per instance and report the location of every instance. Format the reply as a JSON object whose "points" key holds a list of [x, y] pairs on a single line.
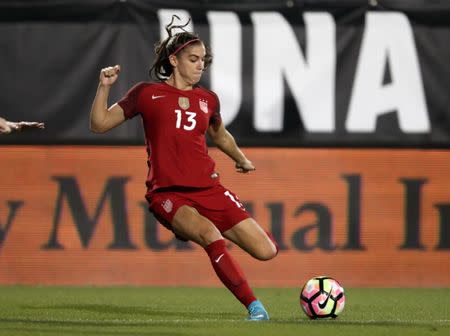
{"points": [[188, 124]]}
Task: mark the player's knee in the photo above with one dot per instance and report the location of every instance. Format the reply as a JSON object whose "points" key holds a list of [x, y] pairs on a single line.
{"points": [[267, 252]]}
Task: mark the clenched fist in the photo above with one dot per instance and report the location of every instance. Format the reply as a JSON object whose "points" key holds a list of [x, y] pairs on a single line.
{"points": [[109, 75]]}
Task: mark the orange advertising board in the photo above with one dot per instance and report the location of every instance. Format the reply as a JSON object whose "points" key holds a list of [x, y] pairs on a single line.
{"points": [[369, 217]]}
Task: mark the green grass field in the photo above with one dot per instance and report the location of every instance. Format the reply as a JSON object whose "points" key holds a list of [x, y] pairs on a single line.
{"points": [[213, 311]]}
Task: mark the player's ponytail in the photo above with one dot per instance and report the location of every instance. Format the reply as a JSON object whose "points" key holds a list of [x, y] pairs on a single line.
{"points": [[172, 45]]}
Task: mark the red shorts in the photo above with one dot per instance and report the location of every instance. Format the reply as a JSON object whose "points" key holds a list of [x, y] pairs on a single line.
{"points": [[219, 205]]}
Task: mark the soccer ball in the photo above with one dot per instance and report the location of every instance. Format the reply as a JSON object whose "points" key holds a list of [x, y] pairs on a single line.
{"points": [[322, 297]]}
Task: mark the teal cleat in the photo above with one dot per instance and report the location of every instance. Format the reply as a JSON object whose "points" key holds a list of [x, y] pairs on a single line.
{"points": [[257, 312]]}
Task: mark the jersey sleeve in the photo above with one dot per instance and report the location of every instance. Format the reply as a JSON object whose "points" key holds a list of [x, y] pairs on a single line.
{"points": [[129, 102], [216, 118]]}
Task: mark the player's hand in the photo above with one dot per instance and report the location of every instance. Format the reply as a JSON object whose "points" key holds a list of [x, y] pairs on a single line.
{"points": [[7, 127], [109, 75], [244, 167], [18, 126], [4, 127]]}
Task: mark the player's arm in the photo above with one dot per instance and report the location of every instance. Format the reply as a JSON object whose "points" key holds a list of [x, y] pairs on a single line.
{"points": [[103, 119], [7, 127], [226, 143]]}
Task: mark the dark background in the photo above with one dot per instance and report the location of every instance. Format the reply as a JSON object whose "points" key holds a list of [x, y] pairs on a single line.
{"points": [[52, 52]]}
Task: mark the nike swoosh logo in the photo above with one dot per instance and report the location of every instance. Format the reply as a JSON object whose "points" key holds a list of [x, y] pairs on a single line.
{"points": [[156, 97], [220, 257], [324, 303]]}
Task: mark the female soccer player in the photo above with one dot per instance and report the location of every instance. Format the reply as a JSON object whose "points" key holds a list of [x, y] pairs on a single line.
{"points": [[183, 188]]}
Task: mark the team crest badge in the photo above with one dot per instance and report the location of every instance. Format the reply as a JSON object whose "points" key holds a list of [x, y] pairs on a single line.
{"points": [[183, 102], [203, 103]]}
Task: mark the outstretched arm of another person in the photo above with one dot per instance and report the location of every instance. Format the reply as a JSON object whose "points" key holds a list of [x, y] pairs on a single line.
{"points": [[226, 143], [7, 127], [103, 119]]}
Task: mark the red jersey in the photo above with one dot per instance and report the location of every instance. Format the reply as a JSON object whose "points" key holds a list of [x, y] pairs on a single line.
{"points": [[175, 123]]}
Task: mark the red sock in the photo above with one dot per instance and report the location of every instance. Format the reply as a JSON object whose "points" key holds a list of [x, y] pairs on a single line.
{"points": [[229, 272]]}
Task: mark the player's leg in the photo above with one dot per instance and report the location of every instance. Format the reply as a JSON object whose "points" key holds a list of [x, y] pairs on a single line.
{"points": [[236, 224], [189, 224], [249, 236]]}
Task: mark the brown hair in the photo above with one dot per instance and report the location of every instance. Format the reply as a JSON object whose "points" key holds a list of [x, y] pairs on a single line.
{"points": [[161, 68]]}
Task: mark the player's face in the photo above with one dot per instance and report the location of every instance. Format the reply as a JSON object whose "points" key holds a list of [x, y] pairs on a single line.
{"points": [[191, 62]]}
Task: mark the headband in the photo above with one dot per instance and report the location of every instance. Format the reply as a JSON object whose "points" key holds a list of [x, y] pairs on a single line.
{"points": [[184, 45]]}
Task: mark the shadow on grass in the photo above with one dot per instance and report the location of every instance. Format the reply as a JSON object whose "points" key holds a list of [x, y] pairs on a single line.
{"points": [[144, 311], [66, 329], [98, 328]]}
